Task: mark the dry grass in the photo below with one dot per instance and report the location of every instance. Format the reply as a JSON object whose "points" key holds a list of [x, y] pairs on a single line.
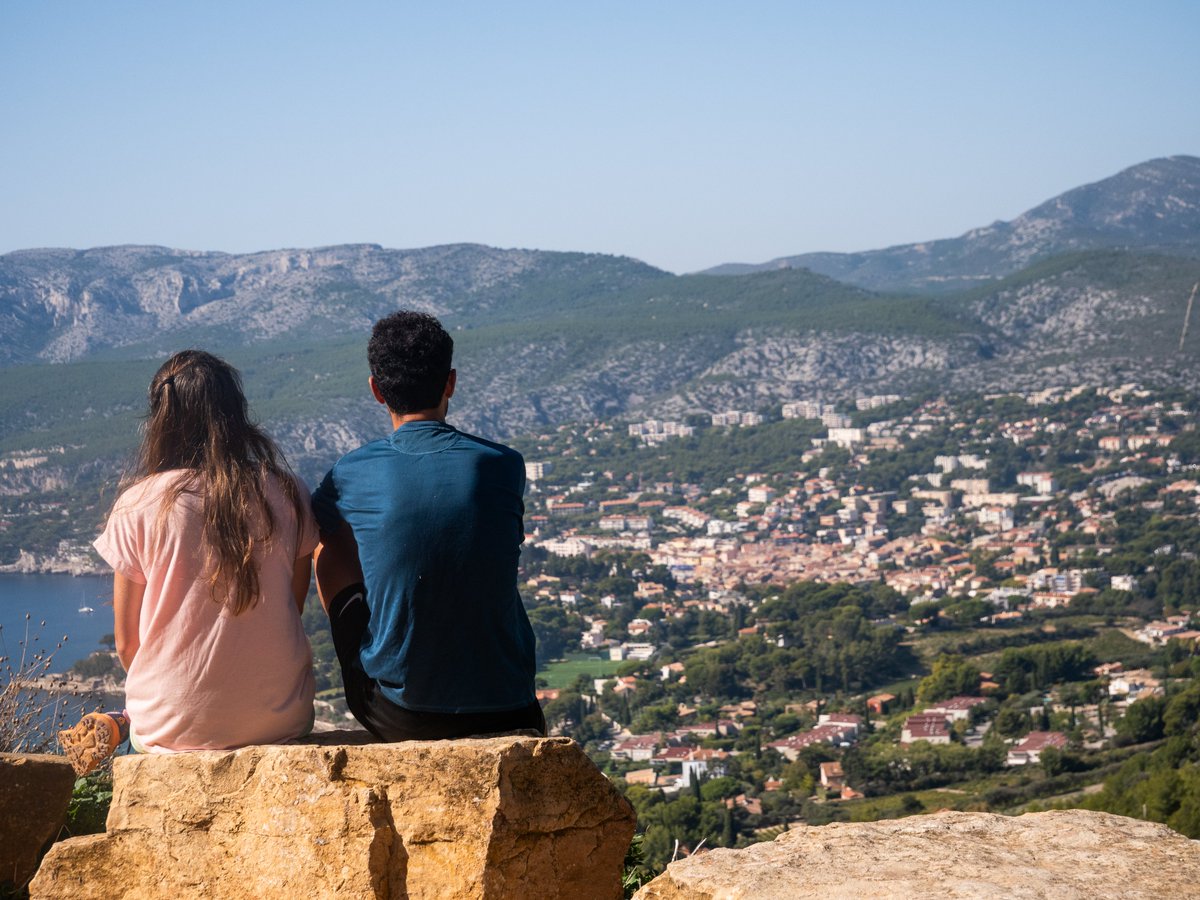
{"points": [[30, 718]]}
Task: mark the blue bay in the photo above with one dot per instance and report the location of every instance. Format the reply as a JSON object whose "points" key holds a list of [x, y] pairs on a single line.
{"points": [[55, 600]]}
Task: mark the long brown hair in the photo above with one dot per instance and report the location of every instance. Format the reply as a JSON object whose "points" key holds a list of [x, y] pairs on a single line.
{"points": [[199, 422]]}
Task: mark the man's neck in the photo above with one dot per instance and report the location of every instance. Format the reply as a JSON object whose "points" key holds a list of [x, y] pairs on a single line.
{"points": [[425, 415]]}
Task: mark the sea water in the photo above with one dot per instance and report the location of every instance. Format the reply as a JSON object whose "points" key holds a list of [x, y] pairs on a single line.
{"points": [[62, 603]]}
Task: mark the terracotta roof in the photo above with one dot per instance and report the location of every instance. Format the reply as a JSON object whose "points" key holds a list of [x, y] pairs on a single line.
{"points": [[925, 725], [955, 703], [1040, 740]]}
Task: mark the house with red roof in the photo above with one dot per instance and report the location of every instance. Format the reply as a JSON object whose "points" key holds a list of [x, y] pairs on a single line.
{"points": [[931, 727], [956, 709], [1029, 750]]}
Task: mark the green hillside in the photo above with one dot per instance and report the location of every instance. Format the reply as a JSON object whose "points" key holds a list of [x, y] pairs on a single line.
{"points": [[686, 323]]}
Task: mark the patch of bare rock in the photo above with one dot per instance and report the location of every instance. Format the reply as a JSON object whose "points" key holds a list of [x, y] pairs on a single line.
{"points": [[1067, 855], [35, 790], [483, 818]]}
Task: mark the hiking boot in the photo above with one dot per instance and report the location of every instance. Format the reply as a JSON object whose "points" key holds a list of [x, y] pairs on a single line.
{"points": [[94, 739]]}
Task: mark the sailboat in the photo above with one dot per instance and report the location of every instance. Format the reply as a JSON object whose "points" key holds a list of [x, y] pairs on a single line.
{"points": [[85, 607]]}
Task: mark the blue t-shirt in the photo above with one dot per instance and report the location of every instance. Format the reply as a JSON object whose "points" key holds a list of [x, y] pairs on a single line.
{"points": [[438, 519]]}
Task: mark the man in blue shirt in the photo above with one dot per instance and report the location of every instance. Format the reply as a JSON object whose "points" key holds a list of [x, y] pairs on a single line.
{"points": [[421, 532]]}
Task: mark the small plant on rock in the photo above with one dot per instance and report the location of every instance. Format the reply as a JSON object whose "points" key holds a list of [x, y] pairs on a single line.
{"points": [[90, 801]]}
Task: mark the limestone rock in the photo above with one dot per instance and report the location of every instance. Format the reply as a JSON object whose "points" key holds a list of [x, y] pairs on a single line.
{"points": [[1067, 855], [488, 817], [35, 790]]}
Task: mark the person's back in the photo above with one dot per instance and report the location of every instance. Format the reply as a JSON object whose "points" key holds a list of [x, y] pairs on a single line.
{"points": [[211, 547], [441, 645], [203, 678], [437, 518]]}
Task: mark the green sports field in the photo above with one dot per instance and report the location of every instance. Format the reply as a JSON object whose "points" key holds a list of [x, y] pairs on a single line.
{"points": [[562, 673]]}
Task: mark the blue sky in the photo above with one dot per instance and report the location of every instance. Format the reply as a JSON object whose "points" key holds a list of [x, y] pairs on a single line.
{"points": [[683, 134]]}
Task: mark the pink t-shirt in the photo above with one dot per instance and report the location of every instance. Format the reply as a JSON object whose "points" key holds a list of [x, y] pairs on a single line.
{"points": [[204, 679]]}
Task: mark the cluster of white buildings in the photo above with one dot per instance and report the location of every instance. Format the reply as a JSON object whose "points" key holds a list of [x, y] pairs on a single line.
{"points": [[734, 417], [655, 431], [824, 526]]}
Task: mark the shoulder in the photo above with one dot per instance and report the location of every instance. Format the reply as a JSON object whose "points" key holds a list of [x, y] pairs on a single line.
{"points": [[148, 491], [356, 461], [501, 460], [364, 454], [483, 445]]}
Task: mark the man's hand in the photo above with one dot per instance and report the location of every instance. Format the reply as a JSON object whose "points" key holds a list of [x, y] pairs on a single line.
{"points": [[337, 566]]}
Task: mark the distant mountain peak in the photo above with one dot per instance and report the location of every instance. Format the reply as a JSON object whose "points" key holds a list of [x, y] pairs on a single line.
{"points": [[1154, 205]]}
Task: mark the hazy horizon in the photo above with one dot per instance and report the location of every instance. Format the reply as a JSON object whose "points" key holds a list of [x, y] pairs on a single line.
{"points": [[683, 136]]}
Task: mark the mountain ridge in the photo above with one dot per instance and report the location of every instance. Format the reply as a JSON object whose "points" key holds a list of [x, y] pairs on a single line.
{"points": [[59, 304], [1152, 206], [544, 338], [679, 346]]}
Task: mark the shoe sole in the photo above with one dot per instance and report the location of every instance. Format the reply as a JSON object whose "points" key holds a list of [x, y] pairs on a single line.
{"points": [[90, 743]]}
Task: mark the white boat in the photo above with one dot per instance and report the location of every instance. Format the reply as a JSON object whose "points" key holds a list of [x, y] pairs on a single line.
{"points": [[86, 609]]}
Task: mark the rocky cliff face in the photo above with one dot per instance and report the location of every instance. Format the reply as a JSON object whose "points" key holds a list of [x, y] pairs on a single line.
{"points": [[60, 305]]}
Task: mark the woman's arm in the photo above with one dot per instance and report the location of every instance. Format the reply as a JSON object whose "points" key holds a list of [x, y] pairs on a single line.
{"points": [[127, 612], [301, 576]]}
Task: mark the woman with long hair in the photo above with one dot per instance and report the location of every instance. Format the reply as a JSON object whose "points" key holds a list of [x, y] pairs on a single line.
{"points": [[210, 542]]}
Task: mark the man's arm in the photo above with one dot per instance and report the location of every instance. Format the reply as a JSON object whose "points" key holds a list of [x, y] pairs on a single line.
{"points": [[335, 560], [337, 564]]}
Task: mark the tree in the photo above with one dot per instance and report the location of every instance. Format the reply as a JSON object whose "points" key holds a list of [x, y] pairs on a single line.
{"points": [[592, 729], [1182, 711], [720, 788], [554, 631], [568, 708], [655, 718], [728, 829], [1011, 721], [1051, 759], [713, 673], [1143, 721], [97, 665], [950, 677]]}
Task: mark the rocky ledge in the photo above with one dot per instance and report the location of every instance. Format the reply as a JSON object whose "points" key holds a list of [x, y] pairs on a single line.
{"points": [[1066, 855], [35, 790], [488, 817]]}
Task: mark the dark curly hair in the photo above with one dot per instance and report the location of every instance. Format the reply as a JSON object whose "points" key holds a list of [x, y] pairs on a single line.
{"points": [[409, 355]]}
